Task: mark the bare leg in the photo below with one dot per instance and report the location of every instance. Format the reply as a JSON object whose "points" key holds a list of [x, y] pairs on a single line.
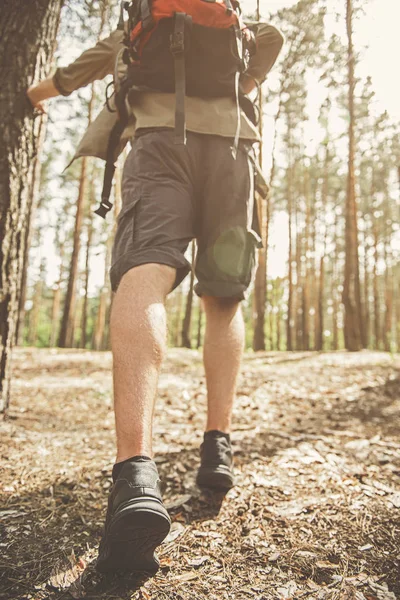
{"points": [[223, 350], [138, 339]]}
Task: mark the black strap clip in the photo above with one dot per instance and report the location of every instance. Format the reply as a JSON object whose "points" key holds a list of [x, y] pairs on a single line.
{"points": [[104, 209], [177, 43]]}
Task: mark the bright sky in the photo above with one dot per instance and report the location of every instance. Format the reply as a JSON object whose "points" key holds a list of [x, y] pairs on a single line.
{"points": [[377, 28]]}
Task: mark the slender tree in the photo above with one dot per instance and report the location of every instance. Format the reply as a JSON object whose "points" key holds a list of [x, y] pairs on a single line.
{"points": [[351, 287], [187, 320], [67, 330]]}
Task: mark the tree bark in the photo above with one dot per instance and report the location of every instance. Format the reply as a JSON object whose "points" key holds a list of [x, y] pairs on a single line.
{"points": [[27, 36], [351, 288]]}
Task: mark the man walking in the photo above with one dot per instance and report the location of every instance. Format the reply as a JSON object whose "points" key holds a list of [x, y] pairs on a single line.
{"points": [[172, 193]]}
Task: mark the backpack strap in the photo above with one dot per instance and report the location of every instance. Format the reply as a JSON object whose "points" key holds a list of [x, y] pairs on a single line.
{"points": [[145, 14], [229, 7], [177, 48], [113, 143]]}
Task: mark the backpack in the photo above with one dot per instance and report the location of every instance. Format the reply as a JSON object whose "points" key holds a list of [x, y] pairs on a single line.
{"points": [[187, 47]]}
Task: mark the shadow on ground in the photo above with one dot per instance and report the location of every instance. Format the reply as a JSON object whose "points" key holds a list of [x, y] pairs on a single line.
{"points": [[315, 512]]}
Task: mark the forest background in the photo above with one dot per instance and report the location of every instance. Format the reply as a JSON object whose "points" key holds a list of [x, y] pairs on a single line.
{"points": [[315, 512], [332, 251]]}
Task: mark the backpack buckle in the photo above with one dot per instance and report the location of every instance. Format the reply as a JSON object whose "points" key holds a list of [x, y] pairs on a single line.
{"points": [[177, 45]]}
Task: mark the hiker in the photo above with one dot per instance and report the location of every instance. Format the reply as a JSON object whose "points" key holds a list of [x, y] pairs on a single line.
{"points": [[190, 174]]}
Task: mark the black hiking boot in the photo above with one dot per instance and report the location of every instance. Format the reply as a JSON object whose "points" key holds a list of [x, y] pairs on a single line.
{"points": [[136, 521], [215, 472]]}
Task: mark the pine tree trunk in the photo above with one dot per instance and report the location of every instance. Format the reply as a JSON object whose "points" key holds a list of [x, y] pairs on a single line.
{"points": [[28, 33], [186, 327], [32, 210], [55, 312], [298, 290], [351, 288], [319, 342], [289, 322], [176, 341], [377, 324], [367, 314], [387, 323], [34, 313], [260, 283], [89, 229], [307, 274], [334, 291], [199, 324], [100, 327], [83, 341], [320, 309], [259, 298], [66, 331], [278, 316]]}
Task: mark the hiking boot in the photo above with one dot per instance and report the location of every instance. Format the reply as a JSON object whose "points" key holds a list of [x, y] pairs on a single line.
{"points": [[136, 522], [215, 471]]}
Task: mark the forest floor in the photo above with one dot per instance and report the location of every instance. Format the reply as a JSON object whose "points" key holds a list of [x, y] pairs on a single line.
{"points": [[315, 513]]}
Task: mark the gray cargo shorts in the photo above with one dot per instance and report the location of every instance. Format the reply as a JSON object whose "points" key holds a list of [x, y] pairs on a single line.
{"points": [[174, 193]]}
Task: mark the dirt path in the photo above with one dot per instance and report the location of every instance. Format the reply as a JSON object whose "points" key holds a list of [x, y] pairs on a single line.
{"points": [[315, 513]]}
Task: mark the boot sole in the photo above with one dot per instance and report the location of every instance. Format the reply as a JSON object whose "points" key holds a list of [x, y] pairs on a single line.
{"points": [[135, 531], [215, 478]]}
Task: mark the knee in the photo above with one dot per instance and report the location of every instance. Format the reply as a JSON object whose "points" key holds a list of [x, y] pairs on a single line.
{"points": [[147, 281], [214, 305]]}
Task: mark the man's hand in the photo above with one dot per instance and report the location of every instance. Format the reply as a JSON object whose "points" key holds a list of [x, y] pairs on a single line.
{"points": [[37, 94], [35, 99]]}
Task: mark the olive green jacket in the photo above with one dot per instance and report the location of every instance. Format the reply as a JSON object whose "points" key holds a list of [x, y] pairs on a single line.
{"points": [[215, 116]]}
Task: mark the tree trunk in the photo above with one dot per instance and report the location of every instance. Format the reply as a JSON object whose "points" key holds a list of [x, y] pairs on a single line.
{"points": [[89, 228], [259, 298], [334, 290], [377, 324], [278, 314], [66, 331], [34, 313], [186, 329], [83, 341], [32, 210], [289, 322], [55, 311], [351, 288], [28, 33], [307, 274], [319, 334], [199, 324], [367, 314], [260, 283], [388, 317], [100, 326]]}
